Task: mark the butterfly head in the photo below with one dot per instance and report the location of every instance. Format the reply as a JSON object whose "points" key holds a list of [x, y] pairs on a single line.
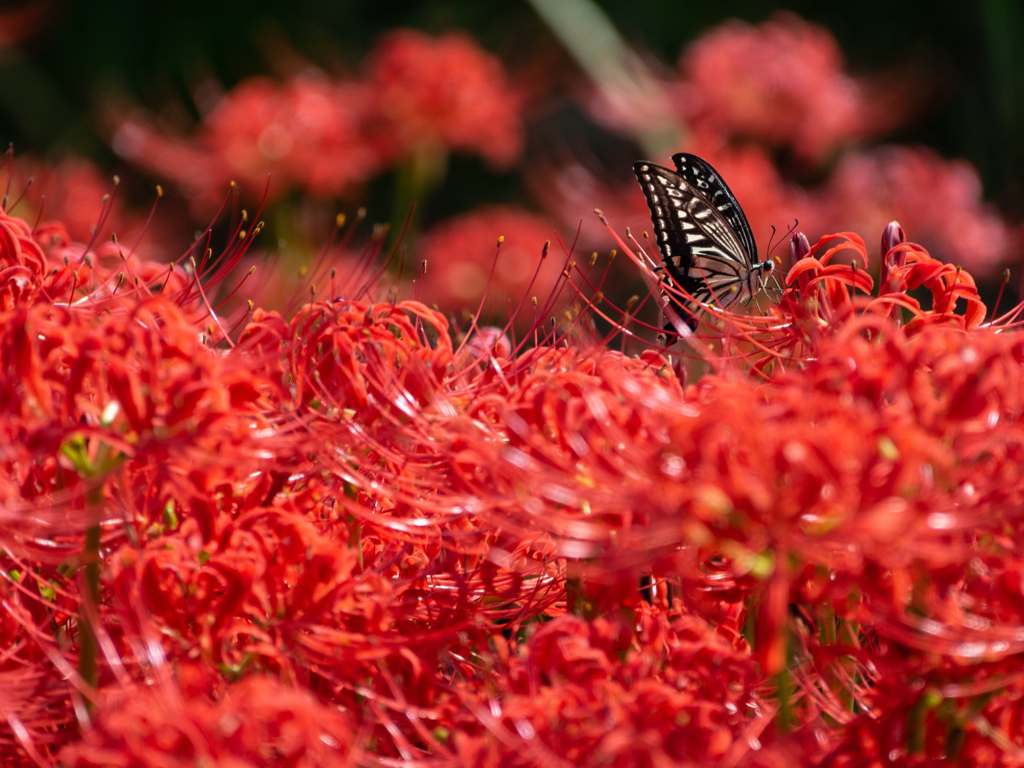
{"points": [[758, 276]]}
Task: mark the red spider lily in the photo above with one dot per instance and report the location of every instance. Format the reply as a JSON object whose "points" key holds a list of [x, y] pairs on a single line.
{"points": [[584, 693], [938, 200], [309, 132], [23, 263], [829, 291], [444, 93], [257, 720], [420, 95], [466, 264], [749, 81], [134, 386], [365, 357], [347, 536]]}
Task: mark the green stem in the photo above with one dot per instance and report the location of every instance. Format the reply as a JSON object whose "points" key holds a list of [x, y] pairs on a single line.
{"points": [[420, 175]]}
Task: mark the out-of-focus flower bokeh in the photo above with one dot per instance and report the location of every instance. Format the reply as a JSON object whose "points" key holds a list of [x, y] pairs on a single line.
{"points": [[436, 113]]}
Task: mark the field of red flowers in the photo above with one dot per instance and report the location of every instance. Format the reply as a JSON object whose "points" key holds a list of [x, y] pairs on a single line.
{"points": [[471, 512]]}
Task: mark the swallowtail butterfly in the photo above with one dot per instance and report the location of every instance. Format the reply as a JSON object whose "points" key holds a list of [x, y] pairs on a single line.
{"points": [[706, 244]]}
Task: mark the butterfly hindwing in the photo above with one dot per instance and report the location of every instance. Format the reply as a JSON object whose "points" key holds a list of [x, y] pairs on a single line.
{"points": [[706, 244]]}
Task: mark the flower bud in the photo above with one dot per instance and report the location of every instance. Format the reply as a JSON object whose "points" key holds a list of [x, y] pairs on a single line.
{"points": [[799, 247], [892, 237]]}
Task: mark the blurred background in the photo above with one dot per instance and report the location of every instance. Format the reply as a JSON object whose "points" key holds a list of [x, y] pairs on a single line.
{"points": [[513, 120]]}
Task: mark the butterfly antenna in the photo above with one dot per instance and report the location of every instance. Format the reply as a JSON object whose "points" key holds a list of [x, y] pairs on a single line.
{"points": [[789, 233], [778, 262]]}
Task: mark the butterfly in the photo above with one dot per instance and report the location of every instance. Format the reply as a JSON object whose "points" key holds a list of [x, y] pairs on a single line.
{"points": [[706, 244]]}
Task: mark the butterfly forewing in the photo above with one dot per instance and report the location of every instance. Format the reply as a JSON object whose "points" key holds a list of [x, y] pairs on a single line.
{"points": [[706, 243], [697, 173]]}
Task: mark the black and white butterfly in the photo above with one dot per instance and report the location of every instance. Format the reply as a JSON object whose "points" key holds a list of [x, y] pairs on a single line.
{"points": [[707, 248]]}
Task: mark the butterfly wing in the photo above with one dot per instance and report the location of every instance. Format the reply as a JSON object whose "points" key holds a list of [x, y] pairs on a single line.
{"points": [[706, 244], [700, 175]]}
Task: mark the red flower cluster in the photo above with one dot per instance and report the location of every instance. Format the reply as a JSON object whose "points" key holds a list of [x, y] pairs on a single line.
{"points": [[328, 136], [346, 535], [606, 692]]}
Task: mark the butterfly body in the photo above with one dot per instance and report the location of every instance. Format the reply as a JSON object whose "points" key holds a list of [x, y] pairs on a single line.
{"points": [[706, 245]]}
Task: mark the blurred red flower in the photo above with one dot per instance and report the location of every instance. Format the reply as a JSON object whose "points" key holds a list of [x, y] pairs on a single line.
{"points": [[938, 201], [445, 93], [780, 83], [309, 133], [309, 130], [259, 721], [73, 191], [462, 252], [76, 193], [327, 136]]}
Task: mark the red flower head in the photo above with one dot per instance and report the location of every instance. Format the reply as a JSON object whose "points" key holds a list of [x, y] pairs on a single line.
{"points": [[445, 92], [593, 693], [781, 83], [75, 194], [465, 262], [309, 133], [23, 264], [172, 726]]}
